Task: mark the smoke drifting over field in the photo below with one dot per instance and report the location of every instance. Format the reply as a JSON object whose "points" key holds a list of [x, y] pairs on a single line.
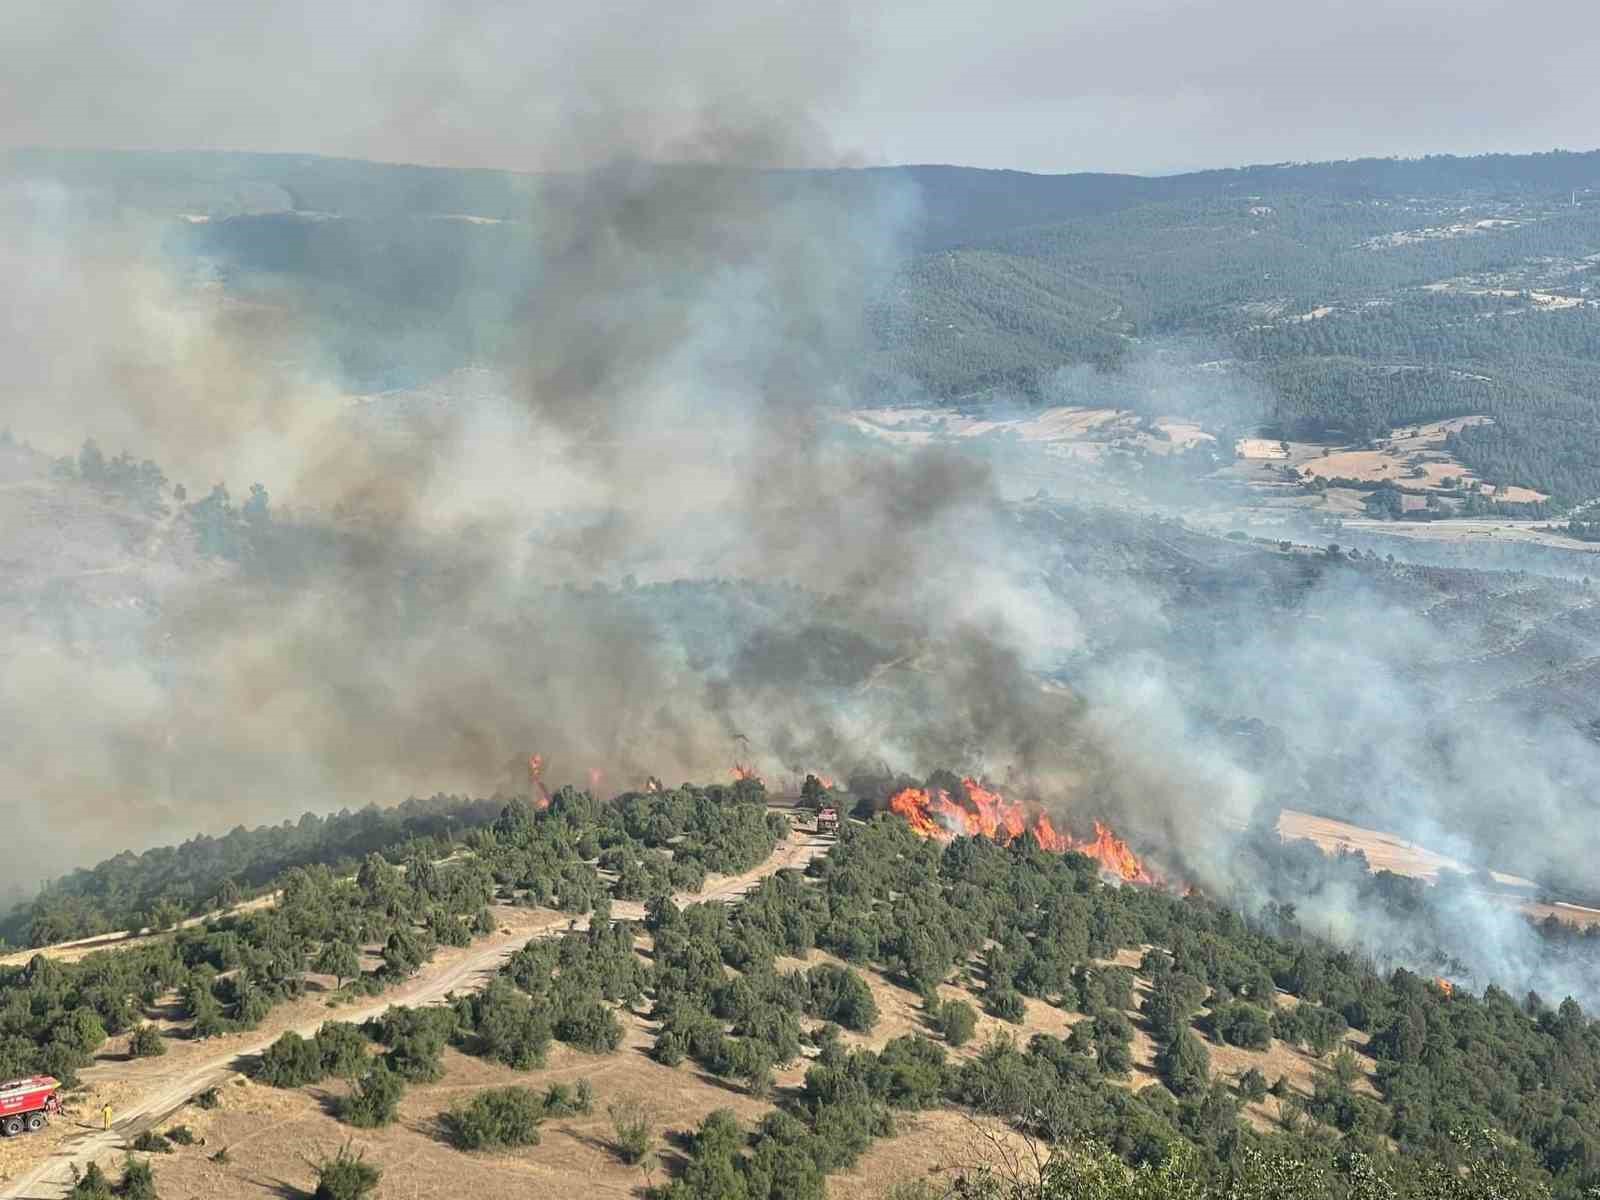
{"points": [[460, 585]]}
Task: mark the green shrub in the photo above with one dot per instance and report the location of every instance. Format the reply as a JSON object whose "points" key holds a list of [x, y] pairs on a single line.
{"points": [[838, 994], [416, 1037], [151, 1142], [561, 1100], [956, 1020], [1253, 1085], [632, 1129], [1007, 1004], [91, 1185], [341, 1049], [182, 1135], [374, 1100], [208, 1099], [910, 1072], [1241, 1025], [1183, 1064], [138, 1180], [670, 1049], [1346, 1066], [590, 1026], [346, 1176], [510, 1028], [147, 1042], [404, 952], [496, 1118], [290, 1062]]}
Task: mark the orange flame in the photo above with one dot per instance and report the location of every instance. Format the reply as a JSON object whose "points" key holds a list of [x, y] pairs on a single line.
{"points": [[652, 784], [932, 814], [740, 771], [1048, 837], [595, 776], [1445, 986], [998, 818], [1112, 852], [538, 794]]}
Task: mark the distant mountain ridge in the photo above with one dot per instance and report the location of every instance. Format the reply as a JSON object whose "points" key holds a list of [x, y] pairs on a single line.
{"points": [[959, 204]]}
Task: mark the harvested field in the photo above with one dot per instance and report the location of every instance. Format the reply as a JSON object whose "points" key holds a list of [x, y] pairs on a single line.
{"points": [[1387, 852], [1384, 851], [1260, 448], [1413, 456], [1576, 914], [1516, 495]]}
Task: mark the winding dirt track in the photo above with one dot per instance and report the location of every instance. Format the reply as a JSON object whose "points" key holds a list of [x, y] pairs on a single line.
{"points": [[52, 1178]]}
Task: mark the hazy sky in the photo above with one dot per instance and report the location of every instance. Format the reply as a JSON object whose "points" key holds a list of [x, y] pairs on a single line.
{"points": [[1047, 85]]}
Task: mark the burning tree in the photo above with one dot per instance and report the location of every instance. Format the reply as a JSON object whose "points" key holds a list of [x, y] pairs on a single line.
{"points": [[933, 813], [537, 792]]}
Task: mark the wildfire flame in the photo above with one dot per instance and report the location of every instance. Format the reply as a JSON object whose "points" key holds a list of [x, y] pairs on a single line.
{"points": [[595, 776], [652, 784], [740, 771], [933, 814], [1444, 985], [538, 794]]}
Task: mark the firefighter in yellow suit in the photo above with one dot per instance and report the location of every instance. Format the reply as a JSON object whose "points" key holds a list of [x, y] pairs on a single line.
{"points": [[106, 1114]]}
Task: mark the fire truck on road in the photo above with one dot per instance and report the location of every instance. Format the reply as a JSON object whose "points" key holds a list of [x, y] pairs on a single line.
{"points": [[28, 1104], [828, 821]]}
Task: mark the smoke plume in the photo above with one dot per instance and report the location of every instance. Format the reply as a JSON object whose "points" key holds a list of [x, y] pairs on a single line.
{"points": [[634, 536]]}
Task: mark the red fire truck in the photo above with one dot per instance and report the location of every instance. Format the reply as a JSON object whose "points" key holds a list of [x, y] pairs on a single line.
{"points": [[26, 1104], [828, 821]]}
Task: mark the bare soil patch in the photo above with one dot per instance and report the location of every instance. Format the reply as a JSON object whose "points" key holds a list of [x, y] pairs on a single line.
{"points": [[270, 1134]]}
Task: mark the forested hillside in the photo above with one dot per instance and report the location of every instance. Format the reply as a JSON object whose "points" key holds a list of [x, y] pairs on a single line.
{"points": [[165, 884], [1332, 300], [1337, 314], [1413, 1088]]}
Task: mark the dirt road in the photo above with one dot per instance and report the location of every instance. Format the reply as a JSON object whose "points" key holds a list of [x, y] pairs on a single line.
{"points": [[165, 1093]]}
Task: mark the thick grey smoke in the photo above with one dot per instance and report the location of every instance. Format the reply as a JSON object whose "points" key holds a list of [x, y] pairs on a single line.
{"points": [[427, 612]]}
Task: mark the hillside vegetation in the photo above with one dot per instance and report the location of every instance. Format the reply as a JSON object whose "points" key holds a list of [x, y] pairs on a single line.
{"points": [[1413, 1082]]}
